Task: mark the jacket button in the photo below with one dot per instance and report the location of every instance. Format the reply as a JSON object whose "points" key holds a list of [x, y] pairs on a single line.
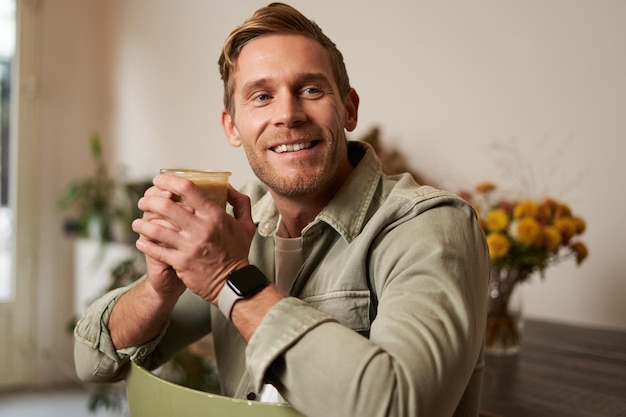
{"points": [[251, 396]]}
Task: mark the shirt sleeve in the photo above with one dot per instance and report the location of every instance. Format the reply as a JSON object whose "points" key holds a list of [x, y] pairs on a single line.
{"points": [[95, 356], [424, 350]]}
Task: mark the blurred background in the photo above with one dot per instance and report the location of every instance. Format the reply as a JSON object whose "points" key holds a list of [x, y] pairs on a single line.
{"points": [[529, 95]]}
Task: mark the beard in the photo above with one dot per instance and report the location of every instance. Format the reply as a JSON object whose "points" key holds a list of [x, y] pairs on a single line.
{"points": [[304, 177]]}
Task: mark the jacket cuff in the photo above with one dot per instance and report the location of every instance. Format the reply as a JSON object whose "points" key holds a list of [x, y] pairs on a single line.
{"points": [[286, 323]]}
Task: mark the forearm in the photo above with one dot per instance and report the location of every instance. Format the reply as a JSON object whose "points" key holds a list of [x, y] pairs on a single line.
{"points": [[248, 313], [413, 368], [139, 315]]}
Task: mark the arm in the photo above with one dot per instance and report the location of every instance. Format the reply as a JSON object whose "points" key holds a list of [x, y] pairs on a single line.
{"points": [[127, 323], [424, 343], [97, 359], [140, 315]]}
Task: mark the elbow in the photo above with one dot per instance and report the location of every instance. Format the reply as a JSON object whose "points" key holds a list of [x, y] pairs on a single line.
{"points": [[94, 366]]}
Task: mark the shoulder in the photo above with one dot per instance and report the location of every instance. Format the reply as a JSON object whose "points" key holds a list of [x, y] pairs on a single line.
{"points": [[405, 194]]}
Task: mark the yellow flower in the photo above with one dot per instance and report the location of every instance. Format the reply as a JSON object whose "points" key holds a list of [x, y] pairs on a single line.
{"points": [[526, 208], [498, 244], [526, 234], [528, 231], [581, 251], [551, 238], [496, 220]]}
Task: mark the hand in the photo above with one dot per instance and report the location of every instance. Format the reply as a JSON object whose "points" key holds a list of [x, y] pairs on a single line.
{"points": [[160, 275], [200, 241]]}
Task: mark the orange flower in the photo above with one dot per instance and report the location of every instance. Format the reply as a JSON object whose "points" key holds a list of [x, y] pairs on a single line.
{"points": [[547, 208], [527, 235], [485, 187], [496, 220], [498, 244], [579, 224], [566, 226], [562, 210], [581, 252]]}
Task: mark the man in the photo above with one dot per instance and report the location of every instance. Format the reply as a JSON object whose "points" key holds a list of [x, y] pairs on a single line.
{"points": [[363, 295]]}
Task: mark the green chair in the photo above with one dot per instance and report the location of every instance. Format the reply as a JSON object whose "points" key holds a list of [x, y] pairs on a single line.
{"points": [[150, 396]]}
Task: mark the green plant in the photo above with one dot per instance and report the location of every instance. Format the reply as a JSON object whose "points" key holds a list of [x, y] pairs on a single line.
{"points": [[96, 203]]}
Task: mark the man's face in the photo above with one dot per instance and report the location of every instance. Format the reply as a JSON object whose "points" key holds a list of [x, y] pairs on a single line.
{"points": [[289, 116]]}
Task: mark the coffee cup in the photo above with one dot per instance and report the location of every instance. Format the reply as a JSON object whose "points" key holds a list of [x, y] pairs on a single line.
{"points": [[213, 183]]}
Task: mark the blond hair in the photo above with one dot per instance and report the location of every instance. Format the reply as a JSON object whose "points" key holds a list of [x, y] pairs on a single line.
{"points": [[276, 18]]}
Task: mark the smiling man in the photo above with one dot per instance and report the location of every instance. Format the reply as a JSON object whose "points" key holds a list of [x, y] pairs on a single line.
{"points": [[330, 285]]}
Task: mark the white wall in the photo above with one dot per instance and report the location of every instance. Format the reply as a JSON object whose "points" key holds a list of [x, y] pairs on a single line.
{"points": [[73, 97], [444, 80]]}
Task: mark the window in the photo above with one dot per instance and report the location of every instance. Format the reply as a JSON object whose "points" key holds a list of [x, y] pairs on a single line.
{"points": [[7, 50]]}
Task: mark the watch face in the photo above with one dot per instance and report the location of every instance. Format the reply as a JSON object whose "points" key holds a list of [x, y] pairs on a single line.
{"points": [[247, 281]]}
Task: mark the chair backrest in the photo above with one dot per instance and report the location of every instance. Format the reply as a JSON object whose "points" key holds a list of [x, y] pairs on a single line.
{"points": [[150, 396]]}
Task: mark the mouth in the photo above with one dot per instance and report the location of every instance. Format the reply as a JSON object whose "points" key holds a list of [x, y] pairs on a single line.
{"points": [[292, 147]]}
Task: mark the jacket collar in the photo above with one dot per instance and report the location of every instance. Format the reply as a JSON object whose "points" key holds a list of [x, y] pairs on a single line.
{"points": [[347, 211]]}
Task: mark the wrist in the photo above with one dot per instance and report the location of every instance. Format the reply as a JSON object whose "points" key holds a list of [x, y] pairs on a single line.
{"points": [[248, 313], [240, 284], [163, 295]]}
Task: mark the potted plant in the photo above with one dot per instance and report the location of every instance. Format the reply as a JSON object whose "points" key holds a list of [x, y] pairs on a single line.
{"points": [[99, 205]]}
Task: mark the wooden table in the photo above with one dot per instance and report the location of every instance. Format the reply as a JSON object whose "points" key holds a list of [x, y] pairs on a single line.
{"points": [[561, 371]]}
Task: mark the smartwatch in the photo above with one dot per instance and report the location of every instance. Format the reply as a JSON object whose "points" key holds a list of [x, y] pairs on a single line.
{"points": [[242, 283]]}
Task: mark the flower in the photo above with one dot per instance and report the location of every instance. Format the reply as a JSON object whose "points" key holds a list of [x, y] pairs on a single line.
{"points": [[527, 235]]}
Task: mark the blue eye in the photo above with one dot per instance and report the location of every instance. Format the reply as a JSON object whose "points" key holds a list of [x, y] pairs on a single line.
{"points": [[313, 91]]}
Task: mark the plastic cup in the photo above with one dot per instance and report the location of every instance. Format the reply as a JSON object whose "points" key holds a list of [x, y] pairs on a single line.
{"points": [[213, 183]]}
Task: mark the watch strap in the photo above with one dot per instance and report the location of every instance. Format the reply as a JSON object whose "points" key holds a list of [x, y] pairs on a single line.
{"points": [[241, 283], [227, 300]]}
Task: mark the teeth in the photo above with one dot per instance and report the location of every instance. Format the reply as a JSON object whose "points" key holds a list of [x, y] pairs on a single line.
{"points": [[292, 148]]}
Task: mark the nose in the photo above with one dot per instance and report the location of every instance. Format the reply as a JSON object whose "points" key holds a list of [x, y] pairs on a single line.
{"points": [[289, 110]]}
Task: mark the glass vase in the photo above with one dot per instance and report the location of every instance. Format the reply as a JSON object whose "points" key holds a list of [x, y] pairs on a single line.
{"points": [[504, 313]]}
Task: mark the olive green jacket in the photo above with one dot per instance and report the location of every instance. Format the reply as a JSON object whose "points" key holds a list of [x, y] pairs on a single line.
{"points": [[385, 318]]}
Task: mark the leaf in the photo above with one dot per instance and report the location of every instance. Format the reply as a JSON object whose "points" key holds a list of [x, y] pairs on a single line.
{"points": [[96, 146]]}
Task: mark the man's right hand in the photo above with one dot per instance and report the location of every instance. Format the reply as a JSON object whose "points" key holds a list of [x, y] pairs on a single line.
{"points": [[160, 275], [140, 314]]}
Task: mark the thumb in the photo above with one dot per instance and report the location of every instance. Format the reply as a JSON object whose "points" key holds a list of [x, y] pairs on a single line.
{"points": [[242, 209]]}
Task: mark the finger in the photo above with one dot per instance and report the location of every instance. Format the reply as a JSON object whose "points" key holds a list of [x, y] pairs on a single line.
{"points": [[156, 206], [152, 230], [152, 249], [189, 193], [165, 223], [242, 209], [156, 191], [182, 188]]}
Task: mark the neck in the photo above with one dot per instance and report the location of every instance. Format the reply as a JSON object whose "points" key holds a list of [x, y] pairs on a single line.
{"points": [[297, 212], [295, 215]]}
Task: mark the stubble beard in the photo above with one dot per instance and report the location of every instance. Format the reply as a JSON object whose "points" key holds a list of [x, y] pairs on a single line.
{"points": [[308, 181]]}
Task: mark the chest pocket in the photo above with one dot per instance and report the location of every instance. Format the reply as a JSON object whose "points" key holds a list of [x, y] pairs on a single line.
{"points": [[350, 308]]}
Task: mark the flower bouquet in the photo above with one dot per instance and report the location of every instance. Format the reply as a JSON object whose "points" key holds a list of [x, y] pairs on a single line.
{"points": [[524, 236]]}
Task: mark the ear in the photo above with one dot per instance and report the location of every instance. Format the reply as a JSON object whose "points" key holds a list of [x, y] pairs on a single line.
{"points": [[232, 134], [352, 110]]}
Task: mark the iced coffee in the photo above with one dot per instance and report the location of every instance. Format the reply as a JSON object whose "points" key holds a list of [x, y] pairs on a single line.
{"points": [[213, 183]]}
